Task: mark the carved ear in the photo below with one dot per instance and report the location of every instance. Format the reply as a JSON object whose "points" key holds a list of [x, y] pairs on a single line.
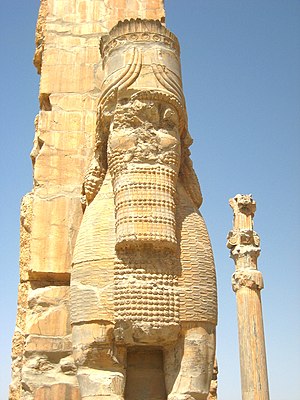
{"points": [[187, 173]]}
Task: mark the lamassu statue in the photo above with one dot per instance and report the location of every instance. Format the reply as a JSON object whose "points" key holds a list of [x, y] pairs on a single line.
{"points": [[143, 290]]}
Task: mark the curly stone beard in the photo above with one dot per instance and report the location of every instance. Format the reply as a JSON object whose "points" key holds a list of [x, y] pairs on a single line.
{"points": [[143, 159]]}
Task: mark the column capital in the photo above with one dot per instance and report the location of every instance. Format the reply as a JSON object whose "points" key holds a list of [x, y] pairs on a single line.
{"points": [[242, 240], [247, 282], [243, 203], [249, 278]]}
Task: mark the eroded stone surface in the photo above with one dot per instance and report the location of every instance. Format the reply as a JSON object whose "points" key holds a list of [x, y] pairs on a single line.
{"points": [[114, 208], [247, 283], [142, 228]]}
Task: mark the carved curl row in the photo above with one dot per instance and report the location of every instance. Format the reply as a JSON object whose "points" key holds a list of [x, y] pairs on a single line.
{"points": [[137, 30]]}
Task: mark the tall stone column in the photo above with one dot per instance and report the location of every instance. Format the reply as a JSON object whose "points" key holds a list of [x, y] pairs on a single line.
{"points": [[247, 283], [68, 60]]}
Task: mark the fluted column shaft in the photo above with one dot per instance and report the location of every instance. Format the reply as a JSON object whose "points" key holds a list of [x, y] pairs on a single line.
{"points": [[247, 283]]}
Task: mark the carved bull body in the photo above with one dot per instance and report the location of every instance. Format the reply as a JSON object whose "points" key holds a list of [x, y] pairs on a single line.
{"points": [[143, 271]]}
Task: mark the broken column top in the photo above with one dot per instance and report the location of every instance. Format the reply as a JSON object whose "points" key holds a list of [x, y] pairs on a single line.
{"points": [[244, 207], [242, 240]]}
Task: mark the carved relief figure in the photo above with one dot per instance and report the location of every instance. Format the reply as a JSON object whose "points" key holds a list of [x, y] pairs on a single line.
{"points": [[143, 274]]}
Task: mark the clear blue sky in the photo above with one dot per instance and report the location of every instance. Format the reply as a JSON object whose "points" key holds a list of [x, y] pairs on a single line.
{"points": [[241, 72]]}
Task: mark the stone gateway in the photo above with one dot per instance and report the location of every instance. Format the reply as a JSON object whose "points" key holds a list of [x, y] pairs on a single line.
{"points": [[117, 298]]}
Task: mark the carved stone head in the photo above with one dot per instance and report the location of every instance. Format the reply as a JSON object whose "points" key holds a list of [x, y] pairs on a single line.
{"points": [[143, 120]]}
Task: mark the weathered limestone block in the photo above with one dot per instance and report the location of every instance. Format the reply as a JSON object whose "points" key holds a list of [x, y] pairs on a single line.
{"points": [[60, 161], [57, 391], [75, 102], [25, 235], [104, 382], [81, 17], [51, 249], [40, 35], [18, 343], [43, 378], [79, 77], [48, 363], [40, 340], [19, 338], [82, 52], [48, 313], [146, 9], [49, 344], [23, 291], [48, 369]]}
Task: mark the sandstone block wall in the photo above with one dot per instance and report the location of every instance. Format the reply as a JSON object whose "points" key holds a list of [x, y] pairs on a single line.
{"points": [[67, 57]]}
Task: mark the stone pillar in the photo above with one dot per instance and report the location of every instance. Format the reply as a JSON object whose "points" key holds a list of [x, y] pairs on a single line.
{"points": [[68, 60], [247, 283]]}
